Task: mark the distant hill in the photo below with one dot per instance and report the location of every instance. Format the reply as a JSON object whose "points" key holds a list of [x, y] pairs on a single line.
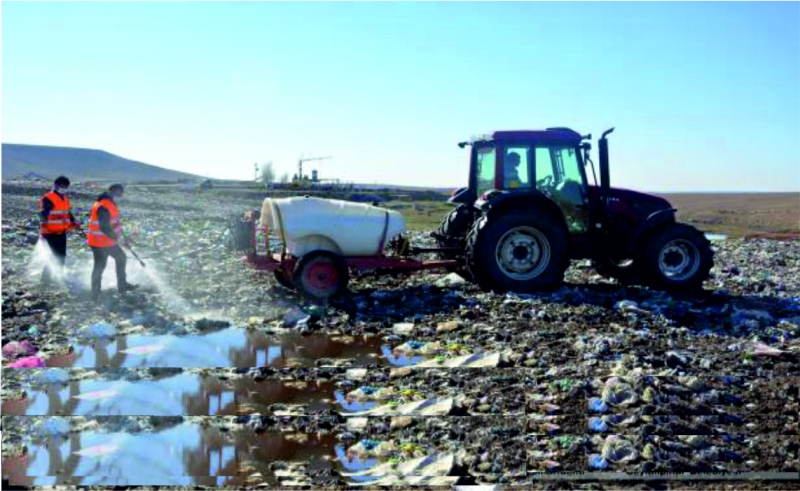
{"points": [[80, 164]]}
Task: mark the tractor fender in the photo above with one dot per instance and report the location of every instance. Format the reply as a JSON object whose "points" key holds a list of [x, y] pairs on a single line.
{"points": [[501, 201], [654, 221]]}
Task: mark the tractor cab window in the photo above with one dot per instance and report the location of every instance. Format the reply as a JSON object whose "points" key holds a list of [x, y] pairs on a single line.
{"points": [[516, 169], [487, 156], [558, 175]]}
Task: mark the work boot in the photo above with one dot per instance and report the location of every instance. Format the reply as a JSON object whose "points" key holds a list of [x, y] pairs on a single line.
{"points": [[127, 287]]}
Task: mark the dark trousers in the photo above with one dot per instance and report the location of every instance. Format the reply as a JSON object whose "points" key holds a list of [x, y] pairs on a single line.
{"points": [[58, 245], [101, 255]]}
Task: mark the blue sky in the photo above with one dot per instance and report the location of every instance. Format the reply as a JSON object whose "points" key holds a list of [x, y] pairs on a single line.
{"points": [[704, 96]]}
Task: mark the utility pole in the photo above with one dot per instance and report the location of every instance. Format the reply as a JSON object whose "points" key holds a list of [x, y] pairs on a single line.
{"points": [[256, 168]]}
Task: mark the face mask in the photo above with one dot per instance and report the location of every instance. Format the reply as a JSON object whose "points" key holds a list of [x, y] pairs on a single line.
{"points": [[61, 190]]}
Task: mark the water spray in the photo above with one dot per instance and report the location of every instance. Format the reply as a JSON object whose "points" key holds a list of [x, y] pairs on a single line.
{"points": [[136, 256]]}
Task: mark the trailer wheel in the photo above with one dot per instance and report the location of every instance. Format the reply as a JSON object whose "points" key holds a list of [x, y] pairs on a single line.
{"points": [[283, 278], [676, 258], [320, 275], [520, 251]]}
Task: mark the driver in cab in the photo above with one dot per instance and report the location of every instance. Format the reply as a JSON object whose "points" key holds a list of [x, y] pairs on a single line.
{"points": [[511, 178]]}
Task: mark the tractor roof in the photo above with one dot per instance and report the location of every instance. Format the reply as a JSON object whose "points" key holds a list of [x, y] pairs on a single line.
{"points": [[549, 135]]}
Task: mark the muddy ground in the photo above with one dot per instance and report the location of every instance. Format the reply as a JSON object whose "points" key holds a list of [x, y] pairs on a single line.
{"points": [[595, 377]]}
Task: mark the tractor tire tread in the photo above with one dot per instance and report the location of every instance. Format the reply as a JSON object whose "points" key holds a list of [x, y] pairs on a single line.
{"points": [[478, 258], [650, 250]]}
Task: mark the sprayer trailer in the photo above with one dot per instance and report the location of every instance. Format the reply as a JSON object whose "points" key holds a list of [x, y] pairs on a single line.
{"points": [[528, 210], [322, 240]]}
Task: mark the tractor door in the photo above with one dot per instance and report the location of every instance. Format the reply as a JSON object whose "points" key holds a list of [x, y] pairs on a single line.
{"points": [[560, 175]]}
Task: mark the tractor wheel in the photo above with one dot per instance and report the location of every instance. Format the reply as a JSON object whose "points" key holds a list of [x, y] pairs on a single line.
{"points": [[676, 258], [283, 278], [320, 275], [522, 251], [453, 233], [454, 229]]}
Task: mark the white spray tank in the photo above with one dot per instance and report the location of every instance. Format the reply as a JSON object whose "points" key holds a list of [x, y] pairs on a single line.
{"points": [[350, 229]]}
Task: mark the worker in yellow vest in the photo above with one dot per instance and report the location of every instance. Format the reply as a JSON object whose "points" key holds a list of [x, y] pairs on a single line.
{"points": [[106, 239], [56, 220]]}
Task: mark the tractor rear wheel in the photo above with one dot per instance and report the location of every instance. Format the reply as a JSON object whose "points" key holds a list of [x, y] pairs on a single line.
{"points": [[676, 258], [452, 232], [320, 275], [522, 251]]}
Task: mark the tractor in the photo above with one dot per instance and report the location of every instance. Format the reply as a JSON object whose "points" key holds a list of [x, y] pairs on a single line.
{"points": [[529, 208]]}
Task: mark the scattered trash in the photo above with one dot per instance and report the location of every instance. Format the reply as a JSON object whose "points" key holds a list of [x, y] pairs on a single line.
{"points": [[28, 362], [598, 425], [15, 349], [597, 405], [99, 330], [617, 449], [598, 462]]}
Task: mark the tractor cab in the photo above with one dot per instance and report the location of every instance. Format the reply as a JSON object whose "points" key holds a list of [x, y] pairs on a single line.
{"points": [[541, 162]]}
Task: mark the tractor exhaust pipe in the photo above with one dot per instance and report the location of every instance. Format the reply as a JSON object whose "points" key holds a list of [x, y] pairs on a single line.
{"points": [[605, 180]]}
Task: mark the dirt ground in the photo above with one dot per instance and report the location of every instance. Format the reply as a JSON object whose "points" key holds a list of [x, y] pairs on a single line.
{"points": [[594, 377]]}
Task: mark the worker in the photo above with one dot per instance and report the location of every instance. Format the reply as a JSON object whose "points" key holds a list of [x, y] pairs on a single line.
{"points": [[56, 220], [106, 239], [511, 171]]}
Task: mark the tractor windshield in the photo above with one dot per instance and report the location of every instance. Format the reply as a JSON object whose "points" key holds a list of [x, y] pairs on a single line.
{"points": [[558, 175]]}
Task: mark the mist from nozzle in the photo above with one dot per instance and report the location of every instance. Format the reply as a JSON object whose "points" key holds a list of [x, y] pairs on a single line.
{"points": [[41, 257], [174, 302]]}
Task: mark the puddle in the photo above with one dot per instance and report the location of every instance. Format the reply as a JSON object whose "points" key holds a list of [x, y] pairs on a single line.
{"points": [[186, 454], [176, 395], [183, 394], [231, 347], [716, 237], [175, 456]]}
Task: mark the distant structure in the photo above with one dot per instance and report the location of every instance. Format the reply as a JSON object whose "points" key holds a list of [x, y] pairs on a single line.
{"points": [[300, 176]]}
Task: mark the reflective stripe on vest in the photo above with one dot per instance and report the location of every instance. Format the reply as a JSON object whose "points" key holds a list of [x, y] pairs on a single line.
{"points": [[57, 221], [95, 237]]}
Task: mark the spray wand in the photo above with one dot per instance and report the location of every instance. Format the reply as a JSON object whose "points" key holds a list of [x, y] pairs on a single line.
{"points": [[135, 255]]}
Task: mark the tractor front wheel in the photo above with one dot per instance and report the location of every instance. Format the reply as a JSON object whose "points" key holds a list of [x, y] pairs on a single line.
{"points": [[522, 251], [321, 275], [676, 258]]}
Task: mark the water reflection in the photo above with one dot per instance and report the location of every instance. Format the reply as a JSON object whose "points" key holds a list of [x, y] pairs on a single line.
{"points": [[231, 347], [185, 454], [172, 395], [177, 455]]}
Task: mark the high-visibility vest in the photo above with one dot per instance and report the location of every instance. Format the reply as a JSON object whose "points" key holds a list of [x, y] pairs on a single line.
{"points": [[95, 236], [57, 221]]}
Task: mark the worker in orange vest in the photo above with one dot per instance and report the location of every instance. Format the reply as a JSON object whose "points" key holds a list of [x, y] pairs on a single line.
{"points": [[106, 239], [56, 220]]}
